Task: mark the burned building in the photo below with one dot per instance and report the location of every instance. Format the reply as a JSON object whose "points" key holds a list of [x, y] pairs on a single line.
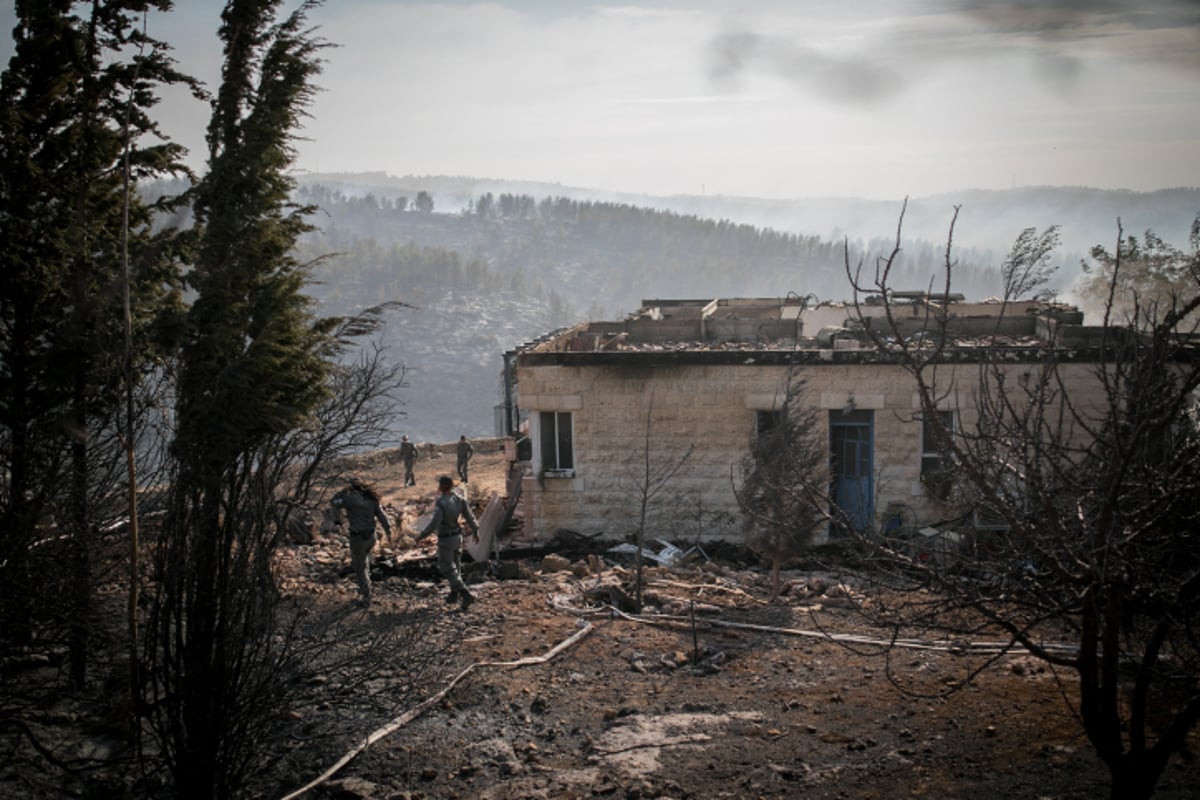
{"points": [[654, 414]]}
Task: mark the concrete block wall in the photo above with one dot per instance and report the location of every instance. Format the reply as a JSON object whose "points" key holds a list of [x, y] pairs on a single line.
{"points": [[668, 416], [626, 415], [621, 413]]}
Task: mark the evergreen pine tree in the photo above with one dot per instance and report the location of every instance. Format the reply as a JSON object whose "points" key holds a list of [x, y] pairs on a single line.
{"points": [[253, 368], [782, 492], [71, 99]]}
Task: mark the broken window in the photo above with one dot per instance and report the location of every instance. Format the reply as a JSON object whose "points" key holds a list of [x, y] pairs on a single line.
{"points": [[766, 421], [936, 471], [557, 450]]}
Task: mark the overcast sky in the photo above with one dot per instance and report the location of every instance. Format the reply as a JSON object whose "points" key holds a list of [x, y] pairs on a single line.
{"points": [[777, 98]]}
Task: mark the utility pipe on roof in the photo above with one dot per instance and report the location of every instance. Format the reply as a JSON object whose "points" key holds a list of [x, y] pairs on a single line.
{"points": [[508, 393]]}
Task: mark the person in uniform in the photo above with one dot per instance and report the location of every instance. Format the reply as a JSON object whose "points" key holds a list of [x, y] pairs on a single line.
{"points": [[408, 452], [361, 504], [465, 451], [445, 521]]}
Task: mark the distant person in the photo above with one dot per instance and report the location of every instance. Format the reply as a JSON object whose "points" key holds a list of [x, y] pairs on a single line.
{"points": [[465, 451], [361, 504], [408, 452], [446, 511]]}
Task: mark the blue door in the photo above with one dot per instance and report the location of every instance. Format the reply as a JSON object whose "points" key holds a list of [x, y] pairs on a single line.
{"points": [[850, 455]]}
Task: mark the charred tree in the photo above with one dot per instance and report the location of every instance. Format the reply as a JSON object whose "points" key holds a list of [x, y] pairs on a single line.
{"points": [[1083, 459]]}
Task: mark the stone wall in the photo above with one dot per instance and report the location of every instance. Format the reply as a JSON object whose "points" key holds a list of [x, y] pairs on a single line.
{"points": [[632, 423]]}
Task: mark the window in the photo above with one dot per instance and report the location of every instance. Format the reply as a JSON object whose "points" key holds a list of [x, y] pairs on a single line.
{"points": [[766, 421], [1011, 485], [557, 451], [936, 471]]}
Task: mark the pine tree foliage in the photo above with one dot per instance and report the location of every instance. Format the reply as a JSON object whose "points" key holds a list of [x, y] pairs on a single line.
{"points": [[74, 99], [782, 494], [253, 368], [253, 360], [1140, 279]]}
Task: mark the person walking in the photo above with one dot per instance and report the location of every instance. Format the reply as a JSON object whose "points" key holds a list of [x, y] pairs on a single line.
{"points": [[408, 452], [446, 511], [465, 451], [361, 504]]}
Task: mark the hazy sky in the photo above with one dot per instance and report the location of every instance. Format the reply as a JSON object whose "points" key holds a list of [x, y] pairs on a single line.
{"points": [[778, 98]]}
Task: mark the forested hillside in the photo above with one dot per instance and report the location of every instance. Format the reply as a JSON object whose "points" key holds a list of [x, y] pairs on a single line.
{"points": [[601, 259], [989, 220]]}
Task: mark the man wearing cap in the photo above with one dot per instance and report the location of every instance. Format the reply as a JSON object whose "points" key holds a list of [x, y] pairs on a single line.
{"points": [[446, 511]]}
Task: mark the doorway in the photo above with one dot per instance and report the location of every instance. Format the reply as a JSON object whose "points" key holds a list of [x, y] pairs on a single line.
{"points": [[851, 466]]}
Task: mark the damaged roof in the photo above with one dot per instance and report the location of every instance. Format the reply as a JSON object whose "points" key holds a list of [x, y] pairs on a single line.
{"points": [[792, 329]]}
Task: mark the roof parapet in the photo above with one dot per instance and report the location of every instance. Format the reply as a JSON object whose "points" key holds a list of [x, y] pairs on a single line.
{"points": [[794, 323]]}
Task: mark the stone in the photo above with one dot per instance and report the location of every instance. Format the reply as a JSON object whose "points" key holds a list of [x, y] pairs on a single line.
{"points": [[353, 789], [555, 563]]}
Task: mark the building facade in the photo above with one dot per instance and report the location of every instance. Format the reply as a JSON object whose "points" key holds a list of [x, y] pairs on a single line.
{"points": [[649, 420]]}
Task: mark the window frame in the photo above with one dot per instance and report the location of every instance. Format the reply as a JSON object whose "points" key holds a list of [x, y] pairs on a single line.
{"points": [[1012, 484], [556, 443], [934, 469]]}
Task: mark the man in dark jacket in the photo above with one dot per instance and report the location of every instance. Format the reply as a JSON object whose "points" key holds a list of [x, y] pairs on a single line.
{"points": [[361, 504], [446, 511], [464, 452]]}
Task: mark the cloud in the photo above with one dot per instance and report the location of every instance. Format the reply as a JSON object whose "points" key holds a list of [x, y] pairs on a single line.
{"points": [[1060, 43], [854, 80], [1056, 19], [1161, 32], [878, 98]]}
